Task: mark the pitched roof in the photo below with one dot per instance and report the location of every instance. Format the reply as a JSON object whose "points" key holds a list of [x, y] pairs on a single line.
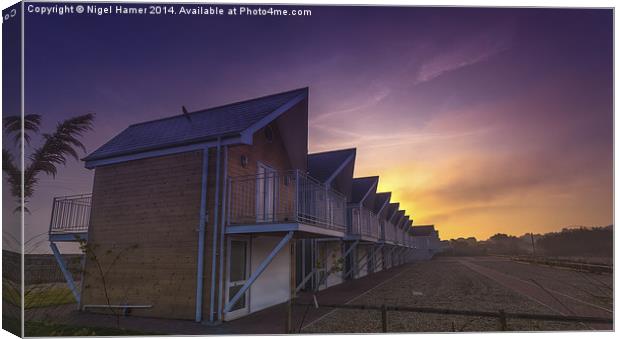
{"points": [[423, 231], [196, 127], [322, 166], [392, 208], [361, 186], [380, 200], [400, 215]]}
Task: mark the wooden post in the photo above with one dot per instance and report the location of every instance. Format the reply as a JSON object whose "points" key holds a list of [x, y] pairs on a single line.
{"points": [[384, 319], [502, 321]]}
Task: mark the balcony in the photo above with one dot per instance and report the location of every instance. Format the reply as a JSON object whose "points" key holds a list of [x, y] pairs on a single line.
{"points": [[389, 234], [284, 201], [70, 217], [364, 224]]}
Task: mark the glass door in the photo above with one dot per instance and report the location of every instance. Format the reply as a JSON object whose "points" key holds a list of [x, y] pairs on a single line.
{"points": [[265, 193], [238, 273]]}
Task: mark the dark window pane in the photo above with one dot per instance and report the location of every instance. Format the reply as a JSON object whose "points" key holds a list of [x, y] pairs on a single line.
{"points": [[239, 304], [237, 260]]}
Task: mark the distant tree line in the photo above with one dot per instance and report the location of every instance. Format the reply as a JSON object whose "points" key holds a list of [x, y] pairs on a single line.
{"points": [[582, 241], [570, 242]]}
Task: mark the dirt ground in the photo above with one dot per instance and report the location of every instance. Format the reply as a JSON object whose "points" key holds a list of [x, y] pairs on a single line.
{"points": [[449, 283], [462, 283]]}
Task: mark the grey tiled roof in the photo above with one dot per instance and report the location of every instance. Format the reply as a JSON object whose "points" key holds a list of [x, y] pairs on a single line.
{"points": [[322, 165], [360, 187], [421, 231], [392, 207], [199, 126], [381, 199]]}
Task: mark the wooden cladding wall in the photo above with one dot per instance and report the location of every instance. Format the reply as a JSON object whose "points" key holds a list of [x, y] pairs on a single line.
{"points": [[145, 217]]}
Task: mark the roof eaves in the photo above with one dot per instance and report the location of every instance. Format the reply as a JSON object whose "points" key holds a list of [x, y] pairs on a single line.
{"points": [[341, 167], [395, 211], [386, 203], [247, 134], [373, 186], [163, 146], [157, 152]]}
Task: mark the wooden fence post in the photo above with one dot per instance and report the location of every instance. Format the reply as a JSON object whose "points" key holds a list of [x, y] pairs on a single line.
{"points": [[502, 321], [384, 319]]}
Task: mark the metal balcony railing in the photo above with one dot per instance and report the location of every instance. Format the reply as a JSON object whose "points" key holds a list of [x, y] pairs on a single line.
{"points": [[364, 222], [284, 197], [70, 214]]}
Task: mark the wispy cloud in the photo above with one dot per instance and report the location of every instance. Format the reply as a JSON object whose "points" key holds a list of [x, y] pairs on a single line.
{"points": [[343, 137], [470, 52], [366, 102]]}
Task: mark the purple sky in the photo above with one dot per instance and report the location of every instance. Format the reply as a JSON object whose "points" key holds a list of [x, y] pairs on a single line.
{"points": [[479, 120]]}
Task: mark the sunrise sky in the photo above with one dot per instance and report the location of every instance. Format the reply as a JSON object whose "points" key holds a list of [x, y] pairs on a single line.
{"points": [[478, 120]]}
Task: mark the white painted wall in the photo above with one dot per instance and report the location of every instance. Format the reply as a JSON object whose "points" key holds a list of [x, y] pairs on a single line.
{"points": [[387, 257], [333, 247], [273, 286]]}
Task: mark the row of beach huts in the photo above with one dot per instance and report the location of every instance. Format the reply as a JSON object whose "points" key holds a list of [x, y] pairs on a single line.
{"points": [[216, 214]]}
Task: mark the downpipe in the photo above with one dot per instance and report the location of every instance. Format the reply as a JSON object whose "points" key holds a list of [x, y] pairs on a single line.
{"points": [[202, 233], [223, 229], [215, 229]]}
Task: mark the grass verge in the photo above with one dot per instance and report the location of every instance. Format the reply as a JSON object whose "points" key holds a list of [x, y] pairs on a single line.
{"points": [[45, 329]]}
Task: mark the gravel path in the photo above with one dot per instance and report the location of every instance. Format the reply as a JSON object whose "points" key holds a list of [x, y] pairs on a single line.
{"points": [[589, 287], [441, 283]]}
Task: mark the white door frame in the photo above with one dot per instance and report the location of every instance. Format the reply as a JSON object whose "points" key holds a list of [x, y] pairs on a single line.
{"points": [[265, 193], [245, 310]]}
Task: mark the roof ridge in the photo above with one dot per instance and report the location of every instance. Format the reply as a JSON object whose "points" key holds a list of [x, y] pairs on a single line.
{"points": [[220, 106], [354, 149], [368, 177]]}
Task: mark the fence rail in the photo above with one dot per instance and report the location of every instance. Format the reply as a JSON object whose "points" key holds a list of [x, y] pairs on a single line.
{"points": [[289, 196], [364, 222], [70, 214], [390, 232], [501, 315], [586, 267]]}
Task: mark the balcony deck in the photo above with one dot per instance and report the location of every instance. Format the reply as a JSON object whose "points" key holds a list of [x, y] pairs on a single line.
{"points": [[280, 202], [70, 218]]}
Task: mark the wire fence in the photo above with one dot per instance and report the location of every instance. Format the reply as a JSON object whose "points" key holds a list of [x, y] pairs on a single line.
{"points": [[501, 316]]}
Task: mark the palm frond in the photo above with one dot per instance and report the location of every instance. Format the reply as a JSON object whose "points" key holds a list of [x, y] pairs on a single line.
{"points": [[13, 125], [12, 172], [56, 148], [14, 179]]}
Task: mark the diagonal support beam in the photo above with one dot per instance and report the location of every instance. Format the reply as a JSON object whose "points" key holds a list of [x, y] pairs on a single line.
{"points": [[303, 282], [65, 271], [261, 268], [356, 265], [377, 261], [344, 256], [347, 253]]}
